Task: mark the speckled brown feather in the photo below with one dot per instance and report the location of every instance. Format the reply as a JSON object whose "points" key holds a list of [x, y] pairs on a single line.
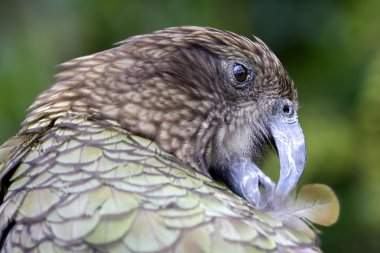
{"points": [[169, 86]]}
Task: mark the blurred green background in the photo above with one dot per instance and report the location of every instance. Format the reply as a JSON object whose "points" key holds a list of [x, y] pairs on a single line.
{"points": [[330, 48]]}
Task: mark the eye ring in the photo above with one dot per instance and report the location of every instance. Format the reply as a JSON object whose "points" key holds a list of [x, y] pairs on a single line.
{"points": [[241, 74]]}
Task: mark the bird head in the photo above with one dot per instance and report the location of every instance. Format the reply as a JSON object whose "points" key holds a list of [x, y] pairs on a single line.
{"points": [[204, 95]]}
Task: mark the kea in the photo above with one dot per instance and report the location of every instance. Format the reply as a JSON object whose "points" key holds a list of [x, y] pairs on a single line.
{"points": [[155, 146]]}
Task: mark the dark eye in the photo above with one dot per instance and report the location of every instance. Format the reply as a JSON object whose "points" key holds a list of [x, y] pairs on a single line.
{"points": [[240, 72]]}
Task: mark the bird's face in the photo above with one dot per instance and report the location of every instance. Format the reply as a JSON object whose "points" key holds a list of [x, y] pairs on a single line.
{"points": [[260, 111], [245, 101]]}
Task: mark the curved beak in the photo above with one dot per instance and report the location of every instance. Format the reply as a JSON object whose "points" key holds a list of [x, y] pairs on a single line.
{"points": [[246, 179], [291, 149]]}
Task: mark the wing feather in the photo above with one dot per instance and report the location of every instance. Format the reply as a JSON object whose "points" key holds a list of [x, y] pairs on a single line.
{"points": [[88, 187]]}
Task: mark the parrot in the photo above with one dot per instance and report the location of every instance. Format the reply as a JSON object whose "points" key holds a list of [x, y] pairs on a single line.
{"points": [[155, 145]]}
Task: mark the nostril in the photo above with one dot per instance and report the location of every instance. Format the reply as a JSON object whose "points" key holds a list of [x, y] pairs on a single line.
{"points": [[286, 109]]}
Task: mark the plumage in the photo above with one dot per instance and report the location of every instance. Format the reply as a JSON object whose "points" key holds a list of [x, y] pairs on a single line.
{"points": [[134, 149]]}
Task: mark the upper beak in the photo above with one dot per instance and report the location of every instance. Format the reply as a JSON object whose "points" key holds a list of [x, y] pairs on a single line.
{"points": [[290, 143]]}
